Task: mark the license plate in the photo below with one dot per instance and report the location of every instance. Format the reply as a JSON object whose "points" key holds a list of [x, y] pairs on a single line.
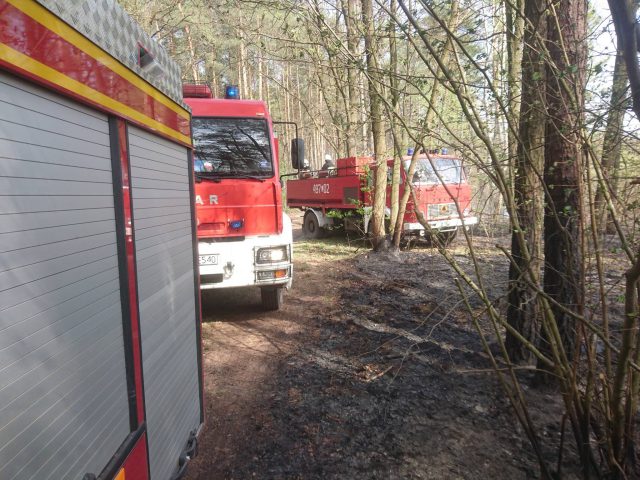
{"points": [[209, 259]]}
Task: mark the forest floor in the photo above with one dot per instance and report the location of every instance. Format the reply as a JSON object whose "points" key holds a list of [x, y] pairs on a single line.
{"points": [[372, 369]]}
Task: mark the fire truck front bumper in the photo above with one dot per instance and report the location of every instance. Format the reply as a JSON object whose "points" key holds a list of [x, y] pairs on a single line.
{"points": [[251, 262], [438, 226]]}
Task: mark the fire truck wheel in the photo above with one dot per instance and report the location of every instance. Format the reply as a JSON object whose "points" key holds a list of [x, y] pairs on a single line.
{"points": [[406, 242], [447, 237], [272, 297], [310, 226], [387, 226]]}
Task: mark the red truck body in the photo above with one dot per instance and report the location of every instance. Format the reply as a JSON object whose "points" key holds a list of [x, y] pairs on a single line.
{"points": [[244, 237], [344, 189], [101, 373]]}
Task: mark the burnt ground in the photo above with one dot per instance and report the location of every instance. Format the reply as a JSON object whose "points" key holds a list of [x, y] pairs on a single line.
{"points": [[372, 369]]}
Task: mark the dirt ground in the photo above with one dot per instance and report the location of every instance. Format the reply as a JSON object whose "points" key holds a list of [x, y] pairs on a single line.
{"points": [[371, 370]]}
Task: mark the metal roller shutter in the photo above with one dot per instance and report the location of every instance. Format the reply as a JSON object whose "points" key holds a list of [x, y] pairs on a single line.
{"points": [[167, 296], [63, 390]]}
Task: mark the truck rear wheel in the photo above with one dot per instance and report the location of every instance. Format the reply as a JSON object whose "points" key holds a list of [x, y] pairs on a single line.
{"points": [[387, 225], [310, 226], [272, 297]]}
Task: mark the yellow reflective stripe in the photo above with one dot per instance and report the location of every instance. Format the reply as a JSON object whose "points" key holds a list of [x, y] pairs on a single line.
{"points": [[120, 475], [53, 23], [41, 70]]}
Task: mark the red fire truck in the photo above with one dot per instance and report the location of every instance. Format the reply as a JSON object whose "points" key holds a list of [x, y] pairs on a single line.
{"points": [[343, 195], [244, 237], [100, 357]]}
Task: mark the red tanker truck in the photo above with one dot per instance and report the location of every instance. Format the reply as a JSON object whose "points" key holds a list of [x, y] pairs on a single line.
{"points": [[342, 196]]}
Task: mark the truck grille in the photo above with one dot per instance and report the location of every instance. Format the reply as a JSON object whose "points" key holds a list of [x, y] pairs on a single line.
{"points": [[441, 210]]}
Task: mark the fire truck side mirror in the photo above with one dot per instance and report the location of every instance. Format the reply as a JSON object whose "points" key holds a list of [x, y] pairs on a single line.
{"points": [[297, 153]]}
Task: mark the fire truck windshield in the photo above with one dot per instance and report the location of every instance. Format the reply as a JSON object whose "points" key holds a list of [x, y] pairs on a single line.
{"points": [[232, 147], [449, 169]]}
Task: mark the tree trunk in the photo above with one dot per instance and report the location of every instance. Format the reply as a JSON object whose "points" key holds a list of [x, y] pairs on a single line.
{"points": [[623, 439], [395, 100], [447, 50], [515, 18], [565, 82], [266, 88], [213, 76], [526, 241], [624, 19], [243, 65], [377, 127], [260, 77], [192, 51], [349, 11], [612, 144]]}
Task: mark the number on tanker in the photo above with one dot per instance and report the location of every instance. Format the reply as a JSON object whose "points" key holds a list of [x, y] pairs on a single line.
{"points": [[321, 188]]}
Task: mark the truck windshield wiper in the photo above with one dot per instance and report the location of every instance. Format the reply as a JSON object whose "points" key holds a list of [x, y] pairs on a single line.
{"points": [[216, 177], [210, 176], [250, 177]]}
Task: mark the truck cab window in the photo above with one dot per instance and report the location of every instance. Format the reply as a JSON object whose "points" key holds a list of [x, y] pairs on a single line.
{"points": [[449, 169], [232, 147]]}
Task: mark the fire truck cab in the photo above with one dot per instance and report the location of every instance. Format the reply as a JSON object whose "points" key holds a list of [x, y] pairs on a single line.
{"points": [[244, 236]]}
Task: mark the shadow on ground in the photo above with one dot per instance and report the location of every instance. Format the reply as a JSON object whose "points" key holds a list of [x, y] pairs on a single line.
{"points": [[371, 370]]}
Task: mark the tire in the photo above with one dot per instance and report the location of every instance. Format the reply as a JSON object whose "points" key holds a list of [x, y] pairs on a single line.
{"points": [[310, 226], [387, 224], [272, 297], [445, 238], [406, 242], [368, 239]]}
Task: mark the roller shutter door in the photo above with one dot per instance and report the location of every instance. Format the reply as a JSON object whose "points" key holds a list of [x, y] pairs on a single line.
{"points": [[63, 390], [166, 295]]}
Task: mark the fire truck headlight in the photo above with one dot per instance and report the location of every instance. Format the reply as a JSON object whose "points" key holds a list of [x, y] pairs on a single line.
{"points": [[272, 255]]}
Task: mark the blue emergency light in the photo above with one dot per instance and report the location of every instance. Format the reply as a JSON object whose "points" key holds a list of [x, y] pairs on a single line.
{"points": [[232, 92], [236, 224]]}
